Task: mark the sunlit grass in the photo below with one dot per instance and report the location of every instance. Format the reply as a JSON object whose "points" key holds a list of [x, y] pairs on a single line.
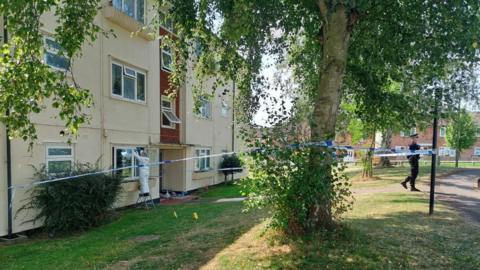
{"points": [[384, 231]]}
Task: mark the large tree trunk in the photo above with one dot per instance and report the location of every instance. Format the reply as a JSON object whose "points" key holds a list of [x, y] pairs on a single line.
{"points": [[336, 35], [386, 143]]}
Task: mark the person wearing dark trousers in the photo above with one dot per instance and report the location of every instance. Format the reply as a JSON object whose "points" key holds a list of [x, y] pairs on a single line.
{"points": [[413, 160]]}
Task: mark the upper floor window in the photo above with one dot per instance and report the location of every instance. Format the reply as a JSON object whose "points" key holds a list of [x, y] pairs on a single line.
{"points": [[166, 22], [54, 56], [59, 158], [169, 119], [408, 133], [128, 82], [205, 109], [167, 59], [133, 8], [443, 132]]}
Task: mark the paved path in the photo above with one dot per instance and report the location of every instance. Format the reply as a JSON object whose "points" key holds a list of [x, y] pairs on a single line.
{"points": [[461, 191]]}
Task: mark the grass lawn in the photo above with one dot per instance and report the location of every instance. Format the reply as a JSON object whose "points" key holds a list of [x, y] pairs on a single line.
{"points": [[229, 190], [387, 176], [139, 239], [384, 231]]}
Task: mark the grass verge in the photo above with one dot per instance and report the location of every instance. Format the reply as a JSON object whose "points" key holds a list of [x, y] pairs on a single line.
{"points": [[139, 239], [384, 231]]}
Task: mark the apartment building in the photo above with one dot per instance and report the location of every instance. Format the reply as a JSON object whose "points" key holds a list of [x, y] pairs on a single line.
{"points": [[127, 76], [186, 132], [401, 140]]}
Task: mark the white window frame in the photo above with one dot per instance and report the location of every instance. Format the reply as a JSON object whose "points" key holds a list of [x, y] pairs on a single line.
{"points": [[165, 112], [164, 20], [49, 158], [169, 53], [133, 171], [443, 132], [476, 151], [203, 112], [224, 108], [128, 68], [199, 153], [51, 50], [135, 6], [413, 131]]}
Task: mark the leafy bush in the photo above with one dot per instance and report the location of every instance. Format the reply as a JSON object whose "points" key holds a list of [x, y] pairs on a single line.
{"points": [[231, 161], [73, 205], [295, 183]]}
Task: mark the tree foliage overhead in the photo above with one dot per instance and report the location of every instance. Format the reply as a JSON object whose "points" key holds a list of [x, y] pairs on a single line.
{"points": [[26, 82], [461, 132], [331, 46]]}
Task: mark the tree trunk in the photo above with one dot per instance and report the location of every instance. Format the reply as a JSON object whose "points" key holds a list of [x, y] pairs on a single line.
{"points": [[336, 35], [457, 157], [386, 142], [367, 171]]}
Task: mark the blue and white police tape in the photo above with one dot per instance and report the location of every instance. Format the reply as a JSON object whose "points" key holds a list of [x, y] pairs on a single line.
{"points": [[329, 144]]}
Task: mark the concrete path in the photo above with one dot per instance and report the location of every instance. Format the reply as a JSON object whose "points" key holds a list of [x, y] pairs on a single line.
{"points": [[461, 191]]}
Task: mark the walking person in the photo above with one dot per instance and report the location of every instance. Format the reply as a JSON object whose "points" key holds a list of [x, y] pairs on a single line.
{"points": [[413, 160]]}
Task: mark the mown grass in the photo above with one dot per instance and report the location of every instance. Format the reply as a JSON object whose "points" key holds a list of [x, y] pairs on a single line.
{"points": [[386, 176], [384, 231], [139, 239], [228, 190]]}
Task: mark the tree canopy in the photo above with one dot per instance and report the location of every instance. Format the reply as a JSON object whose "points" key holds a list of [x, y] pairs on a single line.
{"points": [[26, 82], [461, 133]]}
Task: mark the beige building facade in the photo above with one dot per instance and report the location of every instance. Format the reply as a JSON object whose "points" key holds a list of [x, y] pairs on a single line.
{"points": [[123, 75]]}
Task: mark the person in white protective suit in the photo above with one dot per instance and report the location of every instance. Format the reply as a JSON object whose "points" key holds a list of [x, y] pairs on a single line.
{"points": [[143, 164]]}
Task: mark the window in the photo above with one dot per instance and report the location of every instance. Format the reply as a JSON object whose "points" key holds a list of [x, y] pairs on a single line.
{"points": [[446, 151], [205, 109], [477, 132], [166, 22], [225, 108], [400, 148], [202, 163], [128, 83], [59, 158], [443, 132], [167, 59], [123, 158], [169, 119], [407, 133], [476, 151], [133, 8], [54, 56]]}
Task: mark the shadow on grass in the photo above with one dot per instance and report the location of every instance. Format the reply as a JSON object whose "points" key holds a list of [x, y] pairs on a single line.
{"points": [[404, 240], [167, 237]]}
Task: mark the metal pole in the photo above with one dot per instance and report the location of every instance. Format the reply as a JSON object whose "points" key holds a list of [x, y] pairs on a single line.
{"points": [[434, 155], [233, 117], [9, 153]]}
